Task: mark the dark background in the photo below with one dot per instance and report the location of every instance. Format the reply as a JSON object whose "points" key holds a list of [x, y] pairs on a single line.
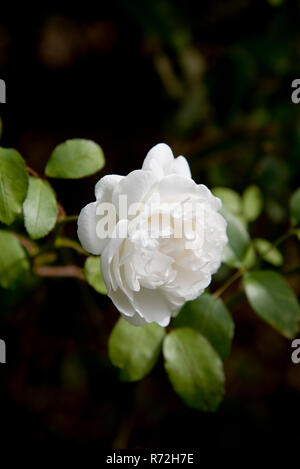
{"points": [[213, 80]]}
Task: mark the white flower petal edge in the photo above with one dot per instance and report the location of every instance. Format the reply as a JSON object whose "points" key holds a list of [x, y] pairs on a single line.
{"points": [[87, 229], [151, 271], [160, 159]]}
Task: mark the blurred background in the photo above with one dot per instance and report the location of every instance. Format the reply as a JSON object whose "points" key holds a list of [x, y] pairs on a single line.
{"points": [[213, 80]]}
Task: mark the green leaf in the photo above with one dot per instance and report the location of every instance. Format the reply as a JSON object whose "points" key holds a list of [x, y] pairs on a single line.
{"points": [[39, 208], [295, 207], [268, 252], [13, 184], [229, 258], [209, 316], [13, 261], [250, 258], [273, 300], [238, 238], [243, 221], [93, 275], [252, 203], [232, 261], [194, 369], [135, 349], [230, 199], [75, 159]]}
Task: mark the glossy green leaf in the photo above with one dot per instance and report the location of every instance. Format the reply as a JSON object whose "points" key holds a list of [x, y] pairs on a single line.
{"points": [[13, 184], [93, 275], [268, 252], [295, 207], [209, 316], [13, 261], [252, 203], [39, 208], [194, 369], [135, 350], [230, 199], [273, 300], [238, 238], [75, 159]]}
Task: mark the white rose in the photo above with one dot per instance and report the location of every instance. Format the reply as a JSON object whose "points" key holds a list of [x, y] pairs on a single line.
{"points": [[149, 267]]}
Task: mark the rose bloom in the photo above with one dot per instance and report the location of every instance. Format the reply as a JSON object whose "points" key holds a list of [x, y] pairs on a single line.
{"points": [[162, 252]]}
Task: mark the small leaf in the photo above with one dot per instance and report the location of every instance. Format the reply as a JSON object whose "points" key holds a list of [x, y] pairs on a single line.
{"points": [[273, 300], [194, 369], [230, 199], [242, 219], [229, 258], [232, 261], [75, 159], [13, 261], [252, 203], [39, 208], [268, 252], [135, 349], [209, 316], [295, 207], [238, 238], [93, 275], [250, 258], [13, 184]]}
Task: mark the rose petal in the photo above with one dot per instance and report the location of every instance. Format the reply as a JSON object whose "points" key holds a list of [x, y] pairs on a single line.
{"points": [[135, 187], [105, 187], [87, 222], [175, 185], [121, 302], [159, 159], [136, 320], [181, 166], [153, 306]]}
